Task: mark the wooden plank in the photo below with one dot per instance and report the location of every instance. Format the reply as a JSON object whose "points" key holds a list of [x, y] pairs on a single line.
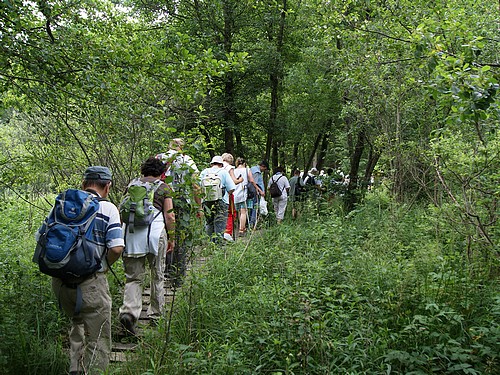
{"points": [[122, 351]]}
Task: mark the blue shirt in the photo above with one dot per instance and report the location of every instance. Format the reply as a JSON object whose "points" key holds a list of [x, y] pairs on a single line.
{"points": [[225, 178], [257, 176]]}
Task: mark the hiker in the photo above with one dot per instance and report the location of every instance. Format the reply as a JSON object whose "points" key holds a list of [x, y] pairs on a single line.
{"points": [[244, 194], [257, 171], [88, 303], [278, 187], [228, 160], [296, 192], [216, 185], [182, 174], [312, 181], [149, 241]]}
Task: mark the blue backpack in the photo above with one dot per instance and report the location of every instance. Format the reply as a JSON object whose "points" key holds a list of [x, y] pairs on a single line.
{"points": [[64, 247]]}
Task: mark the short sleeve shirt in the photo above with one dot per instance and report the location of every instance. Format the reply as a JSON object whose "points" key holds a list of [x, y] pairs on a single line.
{"points": [[226, 180], [282, 182], [257, 176]]}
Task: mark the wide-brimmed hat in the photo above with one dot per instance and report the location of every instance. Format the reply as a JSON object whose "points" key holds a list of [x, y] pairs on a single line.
{"points": [[217, 160]]}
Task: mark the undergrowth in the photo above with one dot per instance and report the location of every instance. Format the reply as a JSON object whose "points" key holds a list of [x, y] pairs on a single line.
{"points": [[385, 289], [380, 291]]}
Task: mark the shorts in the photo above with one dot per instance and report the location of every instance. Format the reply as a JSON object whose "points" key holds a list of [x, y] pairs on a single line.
{"points": [[240, 205], [250, 204]]}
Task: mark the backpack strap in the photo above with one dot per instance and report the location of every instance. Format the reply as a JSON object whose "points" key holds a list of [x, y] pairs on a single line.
{"points": [[157, 184]]}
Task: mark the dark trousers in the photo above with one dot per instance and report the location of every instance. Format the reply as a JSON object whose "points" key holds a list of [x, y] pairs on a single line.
{"points": [[216, 219], [176, 260]]}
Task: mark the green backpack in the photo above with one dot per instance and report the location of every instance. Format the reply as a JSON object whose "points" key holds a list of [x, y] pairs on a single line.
{"points": [[136, 208]]}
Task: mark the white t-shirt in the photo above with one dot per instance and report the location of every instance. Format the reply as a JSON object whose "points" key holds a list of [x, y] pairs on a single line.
{"points": [[240, 193], [282, 182]]}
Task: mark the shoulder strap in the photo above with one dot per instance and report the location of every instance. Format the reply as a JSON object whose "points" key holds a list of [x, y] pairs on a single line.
{"points": [[99, 198]]}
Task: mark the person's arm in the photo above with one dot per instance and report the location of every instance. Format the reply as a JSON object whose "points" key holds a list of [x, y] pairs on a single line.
{"points": [[236, 181], [286, 184], [252, 181], [114, 254], [169, 216], [197, 199]]}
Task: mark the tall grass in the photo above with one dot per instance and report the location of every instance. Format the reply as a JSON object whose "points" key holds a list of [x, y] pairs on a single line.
{"points": [[384, 290], [379, 291], [31, 328]]}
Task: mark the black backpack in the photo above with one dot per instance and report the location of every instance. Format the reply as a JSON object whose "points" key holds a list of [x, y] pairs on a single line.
{"points": [[299, 189], [274, 189], [311, 181]]}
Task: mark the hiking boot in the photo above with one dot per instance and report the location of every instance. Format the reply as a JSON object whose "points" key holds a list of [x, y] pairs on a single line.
{"points": [[128, 324]]}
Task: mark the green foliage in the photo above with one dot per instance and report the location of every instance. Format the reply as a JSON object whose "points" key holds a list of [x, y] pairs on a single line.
{"points": [[383, 291], [31, 328]]}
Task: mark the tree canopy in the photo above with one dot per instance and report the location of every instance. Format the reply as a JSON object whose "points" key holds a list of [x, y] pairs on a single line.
{"points": [[405, 91]]}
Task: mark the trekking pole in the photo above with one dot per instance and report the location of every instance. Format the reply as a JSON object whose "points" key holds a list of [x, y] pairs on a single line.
{"points": [[250, 238]]}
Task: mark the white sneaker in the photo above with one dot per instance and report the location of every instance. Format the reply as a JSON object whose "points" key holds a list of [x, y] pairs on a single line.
{"points": [[228, 237]]}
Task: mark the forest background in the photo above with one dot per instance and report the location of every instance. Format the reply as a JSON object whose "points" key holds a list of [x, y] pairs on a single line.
{"points": [[402, 91]]}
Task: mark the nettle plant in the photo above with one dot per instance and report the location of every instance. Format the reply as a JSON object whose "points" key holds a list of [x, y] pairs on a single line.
{"points": [[464, 149]]}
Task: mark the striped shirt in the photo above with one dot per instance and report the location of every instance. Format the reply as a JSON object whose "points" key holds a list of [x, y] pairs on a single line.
{"points": [[107, 229]]}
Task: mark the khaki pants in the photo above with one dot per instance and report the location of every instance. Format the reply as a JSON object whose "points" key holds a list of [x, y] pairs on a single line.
{"points": [[135, 269], [280, 207], [90, 334]]}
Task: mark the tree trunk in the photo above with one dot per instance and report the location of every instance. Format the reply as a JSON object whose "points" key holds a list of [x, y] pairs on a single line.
{"points": [[322, 151], [229, 112], [370, 166], [351, 197], [275, 81], [313, 152]]}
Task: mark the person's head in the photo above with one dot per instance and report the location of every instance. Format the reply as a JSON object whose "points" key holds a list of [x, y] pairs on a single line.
{"points": [[279, 169], [176, 144], [313, 171], [217, 161], [240, 161], [264, 166], [97, 178], [296, 172], [228, 158], [153, 167]]}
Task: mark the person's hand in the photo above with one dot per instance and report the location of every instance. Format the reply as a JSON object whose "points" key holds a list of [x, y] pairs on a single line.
{"points": [[170, 246]]}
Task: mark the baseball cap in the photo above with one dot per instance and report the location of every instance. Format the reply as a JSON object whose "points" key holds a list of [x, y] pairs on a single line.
{"points": [[97, 172]]}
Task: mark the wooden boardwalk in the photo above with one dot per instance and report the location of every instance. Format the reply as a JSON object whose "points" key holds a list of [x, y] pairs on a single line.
{"points": [[122, 346]]}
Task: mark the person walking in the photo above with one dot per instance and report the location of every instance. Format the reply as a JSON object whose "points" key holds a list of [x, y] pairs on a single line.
{"points": [[257, 171], [182, 175], [228, 160], [241, 201], [88, 304], [216, 185], [296, 192], [149, 244], [283, 186]]}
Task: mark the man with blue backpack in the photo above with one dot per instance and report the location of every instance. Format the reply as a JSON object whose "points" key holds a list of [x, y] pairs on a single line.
{"points": [[77, 243]]}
